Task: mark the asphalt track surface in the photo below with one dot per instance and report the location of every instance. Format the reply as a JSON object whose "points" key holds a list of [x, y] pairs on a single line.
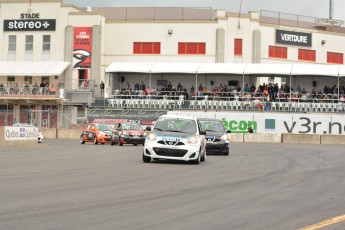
{"points": [[62, 184]]}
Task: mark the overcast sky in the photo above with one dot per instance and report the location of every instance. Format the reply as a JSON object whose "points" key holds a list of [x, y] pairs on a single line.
{"points": [[313, 8]]}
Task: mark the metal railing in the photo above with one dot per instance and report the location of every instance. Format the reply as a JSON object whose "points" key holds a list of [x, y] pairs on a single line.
{"points": [[295, 20]]}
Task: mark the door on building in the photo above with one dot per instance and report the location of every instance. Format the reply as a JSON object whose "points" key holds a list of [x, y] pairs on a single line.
{"points": [[83, 78]]}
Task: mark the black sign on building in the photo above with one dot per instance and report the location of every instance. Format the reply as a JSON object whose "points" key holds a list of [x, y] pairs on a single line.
{"points": [[30, 25], [293, 38]]}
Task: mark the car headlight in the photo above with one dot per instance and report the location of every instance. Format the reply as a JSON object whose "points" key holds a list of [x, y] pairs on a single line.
{"points": [[151, 137], [101, 133], [144, 134], [225, 138], [124, 133], [192, 140]]}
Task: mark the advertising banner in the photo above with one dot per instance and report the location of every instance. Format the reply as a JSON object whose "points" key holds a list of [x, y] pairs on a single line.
{"points": [[293, 38], [20, 133], [115, 116], [82, 46], [276, 123]]}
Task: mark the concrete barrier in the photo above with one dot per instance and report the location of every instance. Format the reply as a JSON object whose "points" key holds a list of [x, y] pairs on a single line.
{"points": [[333, 139], [68, 133], [301, 138], [49, 133], [235, 137], [262, 138]]}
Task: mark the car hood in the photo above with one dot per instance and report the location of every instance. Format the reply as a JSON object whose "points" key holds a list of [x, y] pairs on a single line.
{"points": [[135, 132], [172, 134], [214, 134]]}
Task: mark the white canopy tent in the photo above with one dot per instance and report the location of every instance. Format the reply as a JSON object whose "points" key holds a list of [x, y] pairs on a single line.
{"points": [[231, 68], [32, 68]]}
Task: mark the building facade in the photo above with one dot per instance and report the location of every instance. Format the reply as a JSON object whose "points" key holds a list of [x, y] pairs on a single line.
{"points": [[61, 45]]}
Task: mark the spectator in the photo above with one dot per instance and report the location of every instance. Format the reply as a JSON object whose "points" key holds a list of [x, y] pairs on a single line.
{"points": [[169, 86], [136, 86], [101, 86], [2, 88], [52, 90], [201, 88], [142, 86], [179, 87]]}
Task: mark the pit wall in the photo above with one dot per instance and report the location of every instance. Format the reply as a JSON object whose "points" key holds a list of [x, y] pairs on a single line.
{"points": [[234, 137]]}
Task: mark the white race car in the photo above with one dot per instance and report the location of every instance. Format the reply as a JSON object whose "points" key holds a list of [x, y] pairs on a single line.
{"points": [[175, 137]]}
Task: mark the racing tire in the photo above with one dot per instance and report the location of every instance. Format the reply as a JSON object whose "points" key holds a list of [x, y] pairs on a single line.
{"points": [[102, 143], [82, 140], [203, 158], [95, 141], [135, 144], [226, 153], [146, 159], [120, 143], [112, 142]]}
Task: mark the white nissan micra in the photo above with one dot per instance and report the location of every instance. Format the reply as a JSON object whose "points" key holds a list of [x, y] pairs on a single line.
{"points": [[175, 137]]}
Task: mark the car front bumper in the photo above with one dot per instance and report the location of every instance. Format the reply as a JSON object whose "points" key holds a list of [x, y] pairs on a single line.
{"points": [[132, 140], [186, 152], [217, 147]]}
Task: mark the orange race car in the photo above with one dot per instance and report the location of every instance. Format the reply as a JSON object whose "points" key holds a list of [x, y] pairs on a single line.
{"points": [[96, 133]]}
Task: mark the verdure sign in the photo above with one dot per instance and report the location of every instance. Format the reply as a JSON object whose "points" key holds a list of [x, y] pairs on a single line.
{"points": [[293, 38]]}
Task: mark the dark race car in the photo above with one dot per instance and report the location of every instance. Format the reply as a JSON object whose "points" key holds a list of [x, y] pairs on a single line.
{"points": [[128, 133], [216, 136]]}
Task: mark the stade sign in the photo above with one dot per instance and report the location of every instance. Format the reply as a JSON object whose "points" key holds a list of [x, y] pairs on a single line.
{"points": [[30, 22]]}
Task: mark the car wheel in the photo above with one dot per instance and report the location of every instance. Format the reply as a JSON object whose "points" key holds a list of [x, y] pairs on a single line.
{"points": [[112, 142], [226, 153], [82, 139], [146, 159], [203, 158], [102, 143], [197, 160], [120, 142], [95, 140], [135, 144]]}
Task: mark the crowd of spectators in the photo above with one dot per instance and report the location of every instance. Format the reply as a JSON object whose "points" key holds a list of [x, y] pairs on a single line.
{"points": [[264, 92], [14, 88]]}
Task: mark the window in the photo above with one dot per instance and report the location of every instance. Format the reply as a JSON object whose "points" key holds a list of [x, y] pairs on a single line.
{"points": [[277, 52], [12, 47], [238, 47], [29, 43], [29, 46], [336, 58], [146, 47], [306, 55], [191, 48], [46, 48], [46, 43]]}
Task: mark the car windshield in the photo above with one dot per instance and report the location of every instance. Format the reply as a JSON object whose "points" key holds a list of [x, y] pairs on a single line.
{"points": [[133, 126], [169, 124], [212, 126], [103, 127]]}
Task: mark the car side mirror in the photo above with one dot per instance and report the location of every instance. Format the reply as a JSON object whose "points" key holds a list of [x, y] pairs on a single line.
{"points": [[202, 132], [228, 131], [148, 128]]}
